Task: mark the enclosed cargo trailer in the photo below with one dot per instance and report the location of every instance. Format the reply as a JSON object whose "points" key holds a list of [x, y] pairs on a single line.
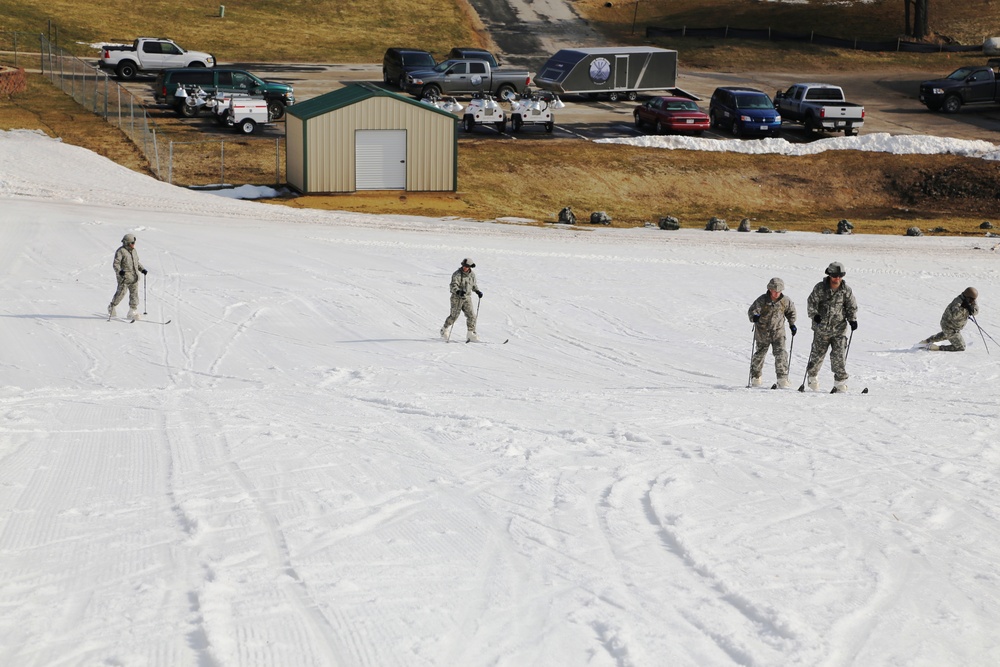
{"points": [[615, 71]]}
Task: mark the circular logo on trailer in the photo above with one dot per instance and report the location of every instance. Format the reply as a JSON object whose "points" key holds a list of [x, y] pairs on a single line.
{"points": [[600, 70], [477, 79]]}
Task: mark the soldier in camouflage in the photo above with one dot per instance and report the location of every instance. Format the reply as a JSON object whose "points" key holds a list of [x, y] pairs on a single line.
{"points": [[768, 314], [831, 307], [127, 268], [463, 286], [955, 317]]}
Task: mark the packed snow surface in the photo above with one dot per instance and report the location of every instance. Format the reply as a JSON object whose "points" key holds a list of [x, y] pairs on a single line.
{"points": [[297, 471]]}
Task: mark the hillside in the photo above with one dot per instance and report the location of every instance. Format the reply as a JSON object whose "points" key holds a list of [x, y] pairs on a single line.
{"points": [[297, 470]]}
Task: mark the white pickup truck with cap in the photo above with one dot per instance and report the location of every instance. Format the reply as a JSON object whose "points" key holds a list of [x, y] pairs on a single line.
{"points": [[150, 54], [821, 107]]}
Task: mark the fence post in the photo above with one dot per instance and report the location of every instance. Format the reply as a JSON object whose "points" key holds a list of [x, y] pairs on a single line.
{"points": [[156, 149], [170, 165], [222, 160], [277, 163]]}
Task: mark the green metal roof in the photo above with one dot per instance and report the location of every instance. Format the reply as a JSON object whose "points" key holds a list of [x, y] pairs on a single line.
{"points": [[348, 95]]}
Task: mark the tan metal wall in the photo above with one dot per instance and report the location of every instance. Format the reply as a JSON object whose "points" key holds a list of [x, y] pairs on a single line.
{"points": [[294, 153], [329, 145]]}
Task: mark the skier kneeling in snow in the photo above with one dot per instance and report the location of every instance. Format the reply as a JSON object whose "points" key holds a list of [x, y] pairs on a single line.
{"points": [[768, 314], [955, 317], [127, 269], [463, 286]]}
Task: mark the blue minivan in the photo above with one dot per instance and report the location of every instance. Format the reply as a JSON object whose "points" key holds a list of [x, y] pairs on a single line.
{"points": [[744, 112]]}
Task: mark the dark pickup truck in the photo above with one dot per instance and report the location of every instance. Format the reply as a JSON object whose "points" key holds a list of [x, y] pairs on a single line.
{"points": [[966, 85]]}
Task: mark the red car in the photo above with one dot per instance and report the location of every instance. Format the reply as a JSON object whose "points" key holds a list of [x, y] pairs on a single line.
{"points": [[671, 114]]}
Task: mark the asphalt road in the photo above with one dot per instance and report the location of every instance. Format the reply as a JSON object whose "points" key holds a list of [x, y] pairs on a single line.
{"points": [[889, 99]]}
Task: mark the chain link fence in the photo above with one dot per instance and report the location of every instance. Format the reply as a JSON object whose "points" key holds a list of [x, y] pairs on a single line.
{"points": [[224, 161], [19, 49], [95, 91], [188, 163]]}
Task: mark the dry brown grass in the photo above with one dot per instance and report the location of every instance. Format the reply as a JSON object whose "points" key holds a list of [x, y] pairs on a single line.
{"points": [[966, 22], [879, 193], [880, 20], [265, 30]]}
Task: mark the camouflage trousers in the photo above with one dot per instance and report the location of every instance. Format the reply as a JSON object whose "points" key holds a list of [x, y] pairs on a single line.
{"points": [[461, 304], [777, 346], [133, 294], [837, 344], [955, 337]]}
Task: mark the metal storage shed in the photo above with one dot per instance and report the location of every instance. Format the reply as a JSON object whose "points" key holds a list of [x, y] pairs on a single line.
{"points": [[362, 137]]}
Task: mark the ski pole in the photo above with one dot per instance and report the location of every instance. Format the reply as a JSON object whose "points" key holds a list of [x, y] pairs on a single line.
{"points": [[144, 294], [848, 350], [982, 334], [791, 347], [806, 374], [753, 348]]}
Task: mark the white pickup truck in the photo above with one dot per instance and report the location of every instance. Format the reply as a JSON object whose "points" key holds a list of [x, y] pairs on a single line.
{"points": [[820, 107], [150, 54]]}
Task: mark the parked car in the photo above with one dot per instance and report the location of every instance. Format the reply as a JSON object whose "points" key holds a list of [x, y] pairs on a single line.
{"points": [[470, 53], [966, 85], [398, 62], [150, 54], [465, 77], [821, 107], [224, 80], [671, 114], [744, 112]]}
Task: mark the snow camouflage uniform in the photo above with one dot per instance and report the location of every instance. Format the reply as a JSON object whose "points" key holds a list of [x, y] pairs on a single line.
{"points": [[127, 269], [955, 317], [833, 309], [769, 329], [463, 286]]}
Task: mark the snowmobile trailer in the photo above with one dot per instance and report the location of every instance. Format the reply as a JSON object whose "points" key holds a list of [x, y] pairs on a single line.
{"points": [[614, 72]]}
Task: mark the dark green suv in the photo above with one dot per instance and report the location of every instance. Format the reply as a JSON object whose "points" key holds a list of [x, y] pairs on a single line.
{"points": [[211, 80]]}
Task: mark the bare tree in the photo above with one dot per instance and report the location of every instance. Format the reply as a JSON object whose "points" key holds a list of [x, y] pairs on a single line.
{"points": [[920, 25]]}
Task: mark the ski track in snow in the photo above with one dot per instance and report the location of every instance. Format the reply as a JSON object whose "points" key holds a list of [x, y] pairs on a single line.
{"points": [[296, 471]]}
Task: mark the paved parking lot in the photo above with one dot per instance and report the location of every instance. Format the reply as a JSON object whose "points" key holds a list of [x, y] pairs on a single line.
{"points": [[889, 99]]}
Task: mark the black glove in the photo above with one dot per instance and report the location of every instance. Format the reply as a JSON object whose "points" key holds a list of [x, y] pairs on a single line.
{"points": [[756, 317], [479, 294], [967, 306], [794, 329], [854, 325], [460, 293], [817, 319], [121, 273], [143, 271]]}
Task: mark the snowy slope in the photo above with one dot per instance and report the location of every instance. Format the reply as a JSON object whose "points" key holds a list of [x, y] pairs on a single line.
{"points": [[296, 472]]}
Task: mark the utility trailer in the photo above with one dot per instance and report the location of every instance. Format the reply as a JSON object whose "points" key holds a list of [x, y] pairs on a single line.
{"points": [[614, 72]]}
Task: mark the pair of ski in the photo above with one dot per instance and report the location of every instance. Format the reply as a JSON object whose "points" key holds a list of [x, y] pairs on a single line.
{"points": [[134, 320], [832, 391]]}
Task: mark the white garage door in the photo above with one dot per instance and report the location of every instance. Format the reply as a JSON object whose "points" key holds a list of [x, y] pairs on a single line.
{"points": [[380, 159]]}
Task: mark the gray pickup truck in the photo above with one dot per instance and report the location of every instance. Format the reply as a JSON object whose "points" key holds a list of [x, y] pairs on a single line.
{"points": [[821, 107], [466, 77]]}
